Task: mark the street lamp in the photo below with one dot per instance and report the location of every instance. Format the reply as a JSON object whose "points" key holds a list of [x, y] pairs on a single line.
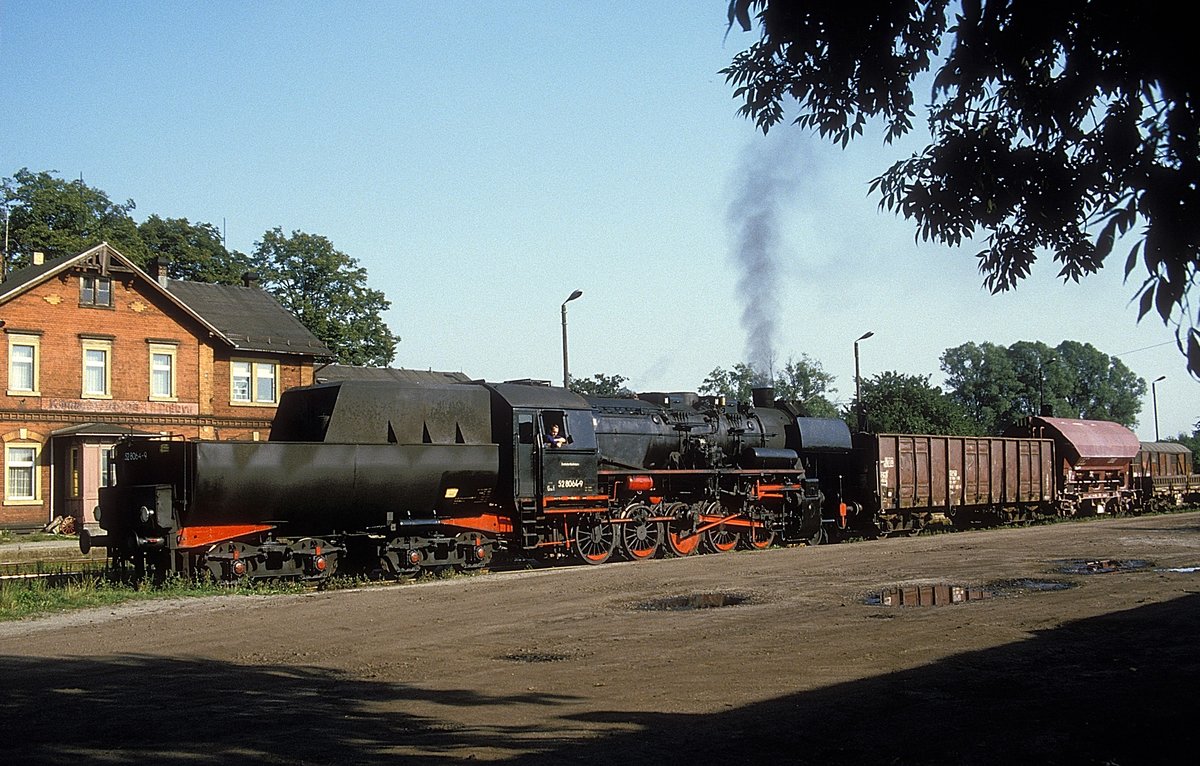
{"points": [[566, 373], [862, 418], [1154, 395]]}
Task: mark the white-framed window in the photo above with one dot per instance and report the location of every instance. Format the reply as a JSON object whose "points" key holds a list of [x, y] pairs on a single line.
{"points": [[97, 369], [253, 382], [264, 383], [162, 371], [95, 291], [21, 479], [24, 354]]}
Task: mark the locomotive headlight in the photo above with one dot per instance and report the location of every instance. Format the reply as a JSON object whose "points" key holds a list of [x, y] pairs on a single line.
{"points": [[146, 514], [96, 514]]}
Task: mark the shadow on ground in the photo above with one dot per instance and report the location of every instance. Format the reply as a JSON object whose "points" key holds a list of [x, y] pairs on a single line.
{"points": [[1116, 689]]}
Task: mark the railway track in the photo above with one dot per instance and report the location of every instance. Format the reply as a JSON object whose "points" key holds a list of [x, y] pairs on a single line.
{"points": [[41, 569]]}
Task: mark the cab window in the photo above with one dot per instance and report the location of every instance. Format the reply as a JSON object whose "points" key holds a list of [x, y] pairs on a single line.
{"points": [[525, 429], [554, 429]]}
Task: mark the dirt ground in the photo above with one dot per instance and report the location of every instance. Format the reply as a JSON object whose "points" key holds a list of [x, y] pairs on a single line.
{"points": [[583, 665]]}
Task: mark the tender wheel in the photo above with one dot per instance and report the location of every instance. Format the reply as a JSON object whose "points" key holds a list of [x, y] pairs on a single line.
{"points": [[315, 559], [594, 539], [721, 539], [681, 536], [232, 562], [759, 538], [476, 549], [640, 537]]}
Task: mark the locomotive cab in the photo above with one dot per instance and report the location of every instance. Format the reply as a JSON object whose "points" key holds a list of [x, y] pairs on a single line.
{"points": [[562, 458], [547, 436]]}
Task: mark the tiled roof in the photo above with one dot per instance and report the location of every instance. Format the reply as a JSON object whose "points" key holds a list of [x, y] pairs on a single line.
{"points": [[249, 318], [31, 274]]}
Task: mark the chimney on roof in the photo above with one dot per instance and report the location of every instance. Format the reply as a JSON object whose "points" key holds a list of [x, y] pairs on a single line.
{"points": [[158, 270], [250, 279], [38, 257]]}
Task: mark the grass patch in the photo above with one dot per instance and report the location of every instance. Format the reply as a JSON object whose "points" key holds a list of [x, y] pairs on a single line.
{"points": [[8, 537], [63, 592], [24, 598]]}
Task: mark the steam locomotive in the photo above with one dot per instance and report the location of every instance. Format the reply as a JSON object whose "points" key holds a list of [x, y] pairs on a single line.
{"points": [[402, 476], [398, 477]]}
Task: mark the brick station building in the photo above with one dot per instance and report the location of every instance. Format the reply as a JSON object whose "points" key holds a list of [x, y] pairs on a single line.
{"points": [[95, 347]]}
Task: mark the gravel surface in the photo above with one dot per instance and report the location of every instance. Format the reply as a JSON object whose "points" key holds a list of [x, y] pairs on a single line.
{"points": [[781, 656]]}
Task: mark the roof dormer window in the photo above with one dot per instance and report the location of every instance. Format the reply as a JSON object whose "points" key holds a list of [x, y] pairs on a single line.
{"points": [[95, 291]]}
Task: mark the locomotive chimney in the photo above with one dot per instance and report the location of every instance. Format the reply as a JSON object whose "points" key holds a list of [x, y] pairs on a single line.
{"points": [[763, 397]]}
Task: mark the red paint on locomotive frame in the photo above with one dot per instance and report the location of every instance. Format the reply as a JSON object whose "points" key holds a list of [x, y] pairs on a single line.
{"points": [[487, 522], [195, 537]]}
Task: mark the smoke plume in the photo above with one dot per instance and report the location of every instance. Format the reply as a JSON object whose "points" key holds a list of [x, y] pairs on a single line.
{"points": [[766, 181]]}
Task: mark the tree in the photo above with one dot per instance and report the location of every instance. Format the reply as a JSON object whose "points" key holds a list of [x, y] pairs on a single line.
{"points": [[327, 291], [898, 403], [1191, 442], [193, 251], [735, 384], [1103, 387], [612, 386], [1054, 126], [58, 217], [1044, 382], [998, 385], [803, 380], [984, 383]]}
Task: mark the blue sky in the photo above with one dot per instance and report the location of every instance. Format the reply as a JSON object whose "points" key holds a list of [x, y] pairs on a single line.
{"points": [[483, 160]]}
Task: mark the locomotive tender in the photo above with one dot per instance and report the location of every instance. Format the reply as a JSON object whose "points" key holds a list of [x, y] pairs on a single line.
{"points": [[400, 476]]}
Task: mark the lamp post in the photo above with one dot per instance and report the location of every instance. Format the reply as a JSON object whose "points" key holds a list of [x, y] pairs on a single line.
{"points": [[566, 368], [862, 418], [1154, 396]]}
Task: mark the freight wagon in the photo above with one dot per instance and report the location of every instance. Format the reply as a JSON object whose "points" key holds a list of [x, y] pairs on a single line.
{"points": [[1095, 463], [1163, 473], [912, 481]]}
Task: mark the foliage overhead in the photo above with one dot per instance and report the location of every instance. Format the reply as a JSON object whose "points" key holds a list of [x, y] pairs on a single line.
{"points": [[1054, 127], [998, 385], [57, 217], [327, 291], [908, 404], [602, 385]]}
